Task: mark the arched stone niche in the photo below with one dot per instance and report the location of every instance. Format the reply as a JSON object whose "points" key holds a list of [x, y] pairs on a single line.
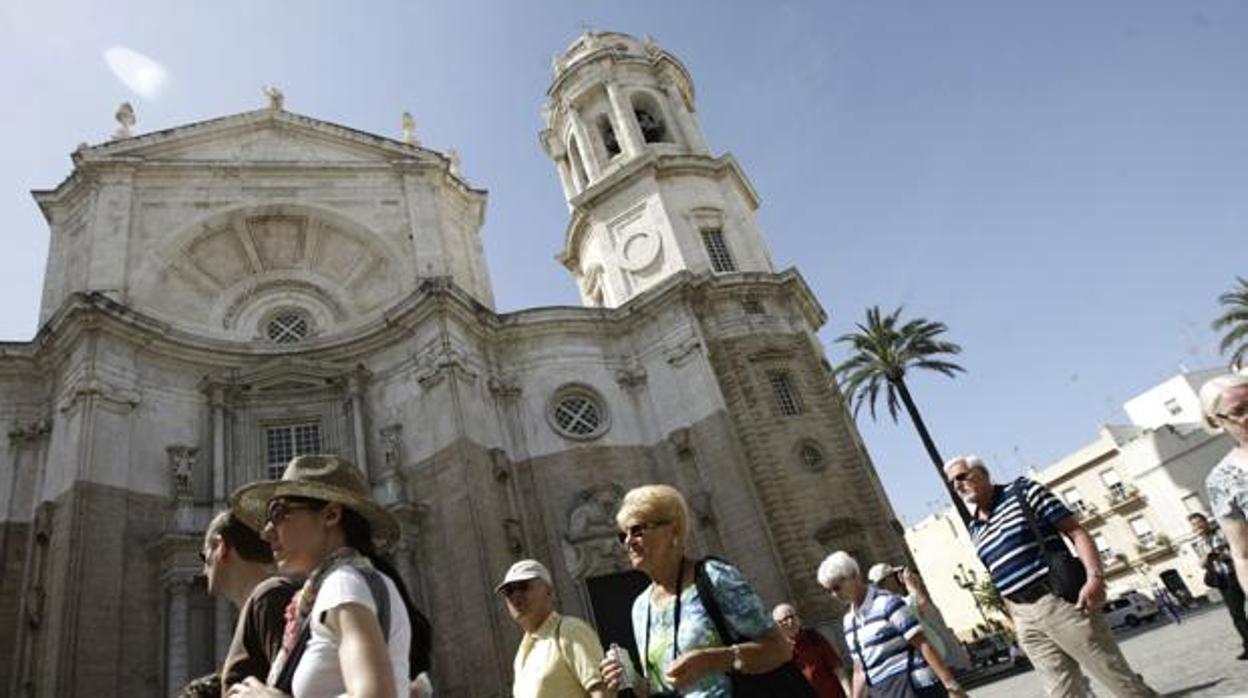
{"points": [[227, 274]]}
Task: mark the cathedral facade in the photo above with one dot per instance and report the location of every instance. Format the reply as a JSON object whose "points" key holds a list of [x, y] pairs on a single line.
{"points": [[224, 295]]}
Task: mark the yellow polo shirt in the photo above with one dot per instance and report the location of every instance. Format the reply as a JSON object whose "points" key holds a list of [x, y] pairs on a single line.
{"points": [[568, 669]]}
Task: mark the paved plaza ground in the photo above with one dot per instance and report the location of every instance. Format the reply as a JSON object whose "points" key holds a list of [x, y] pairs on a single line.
{"points": [[1195, 659]]}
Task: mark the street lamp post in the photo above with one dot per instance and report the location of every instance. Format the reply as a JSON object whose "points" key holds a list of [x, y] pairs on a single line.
{"points": [[967, 579]]}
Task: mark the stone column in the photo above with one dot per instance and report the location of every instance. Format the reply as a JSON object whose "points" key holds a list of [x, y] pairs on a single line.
{"points": [[177, 622], [356, 402], [585, 145], [629, 132], [684, 120], [218, 446]]}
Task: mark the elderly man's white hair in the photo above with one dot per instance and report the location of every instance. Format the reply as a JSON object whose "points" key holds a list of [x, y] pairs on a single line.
{"points": [[1212, 391], [972, 462], [838, 565]]}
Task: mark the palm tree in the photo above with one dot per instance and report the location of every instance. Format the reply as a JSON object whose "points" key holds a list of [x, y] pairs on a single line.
{"points": [[1235, 318], [882, 350]]}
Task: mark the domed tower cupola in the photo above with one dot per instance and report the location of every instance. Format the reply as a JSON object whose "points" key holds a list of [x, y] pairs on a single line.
{"points": [[647, 197]]}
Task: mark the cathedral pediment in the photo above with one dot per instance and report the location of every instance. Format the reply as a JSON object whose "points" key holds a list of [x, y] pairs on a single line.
{"points": [[260, 136], [285, 374]]}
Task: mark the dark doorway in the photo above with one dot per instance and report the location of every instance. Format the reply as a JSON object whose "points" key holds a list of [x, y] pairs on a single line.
{"points": [[1176, 586], [611, 598]]}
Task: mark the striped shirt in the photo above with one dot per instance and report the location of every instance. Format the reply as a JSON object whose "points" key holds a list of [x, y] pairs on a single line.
{"points": [[878, 633], [1004, 542]]}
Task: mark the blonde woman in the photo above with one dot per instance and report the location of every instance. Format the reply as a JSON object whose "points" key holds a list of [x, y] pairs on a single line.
{"points": [[1225, 403], [681, 651]]}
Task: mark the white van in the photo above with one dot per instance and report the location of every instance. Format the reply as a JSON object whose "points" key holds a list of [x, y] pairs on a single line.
{"points": [[1131, 609]]}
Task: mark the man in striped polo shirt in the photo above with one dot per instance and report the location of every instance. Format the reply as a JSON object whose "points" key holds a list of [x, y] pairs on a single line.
{"points": [[1056, 634]]}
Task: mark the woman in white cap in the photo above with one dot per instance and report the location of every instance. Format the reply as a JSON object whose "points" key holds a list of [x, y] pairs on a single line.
{"points": [[1225, 403], [352, 629]]}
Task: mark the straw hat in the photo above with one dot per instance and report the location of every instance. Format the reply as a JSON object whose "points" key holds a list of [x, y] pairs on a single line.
{"points": [[325, 477]]}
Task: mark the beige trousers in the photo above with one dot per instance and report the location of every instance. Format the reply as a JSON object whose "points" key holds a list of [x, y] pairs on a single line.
{"points": [[1059, 638]]}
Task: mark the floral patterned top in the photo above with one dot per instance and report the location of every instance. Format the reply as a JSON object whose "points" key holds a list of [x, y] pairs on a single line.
{"points": [[1227, 484], [742, 608]]}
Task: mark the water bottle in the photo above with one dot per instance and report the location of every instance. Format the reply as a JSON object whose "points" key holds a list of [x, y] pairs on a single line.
{"points": [[627, 683]]}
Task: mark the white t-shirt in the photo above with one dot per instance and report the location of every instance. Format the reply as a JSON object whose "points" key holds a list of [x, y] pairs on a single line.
{"points": [[319, 674]]}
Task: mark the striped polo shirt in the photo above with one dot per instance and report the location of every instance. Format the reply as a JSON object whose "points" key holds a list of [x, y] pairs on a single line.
{"points": [[1005, 542], [878, 633]]}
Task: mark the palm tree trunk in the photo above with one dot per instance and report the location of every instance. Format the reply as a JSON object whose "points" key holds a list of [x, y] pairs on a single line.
{"points": [[930, 445]]}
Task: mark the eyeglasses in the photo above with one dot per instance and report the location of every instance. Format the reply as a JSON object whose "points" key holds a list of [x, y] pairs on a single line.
{"points": [[638, 530], [279, 509], [962, 477], [522, 586], [1236, 416]]}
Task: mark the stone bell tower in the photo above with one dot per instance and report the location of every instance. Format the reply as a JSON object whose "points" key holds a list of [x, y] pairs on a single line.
{"points": [[647, 197]]}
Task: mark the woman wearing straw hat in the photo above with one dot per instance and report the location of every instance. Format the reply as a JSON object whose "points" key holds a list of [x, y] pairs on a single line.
{"points": [[352, 628]]}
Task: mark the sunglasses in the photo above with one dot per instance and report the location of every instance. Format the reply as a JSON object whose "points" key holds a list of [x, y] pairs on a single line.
{"points": [[517, 586], [638, 531], [963, 477], [279, 509]]}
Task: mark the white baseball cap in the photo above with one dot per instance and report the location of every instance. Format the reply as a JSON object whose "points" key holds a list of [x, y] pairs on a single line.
{"points": [[524, 571], [881, 571]]}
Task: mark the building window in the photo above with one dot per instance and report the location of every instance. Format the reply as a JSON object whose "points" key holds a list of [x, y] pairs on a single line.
{"points": [[1173, 407], [717, 250], [609, 141], [787, 400], [811, 456], [1075, 501], [1143, 532], [288, 326], [1113, 482], [577, 412], [285, 442], [650, 119], [1102, 547]]}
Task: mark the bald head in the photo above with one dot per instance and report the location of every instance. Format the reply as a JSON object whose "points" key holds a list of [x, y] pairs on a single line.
{"points": [[786, 617]]}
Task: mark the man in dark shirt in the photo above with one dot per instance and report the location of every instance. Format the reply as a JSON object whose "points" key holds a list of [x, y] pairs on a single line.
{"points": [[239, 566], [812, 653]]}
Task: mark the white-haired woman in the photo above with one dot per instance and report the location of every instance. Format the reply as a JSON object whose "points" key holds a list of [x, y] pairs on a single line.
{"points": [[891, 656], [1225, 403], [681, 652]]}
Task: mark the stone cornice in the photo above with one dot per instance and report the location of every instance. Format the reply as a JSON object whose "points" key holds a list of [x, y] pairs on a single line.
{"points": [[435, 297], [650, 164]]}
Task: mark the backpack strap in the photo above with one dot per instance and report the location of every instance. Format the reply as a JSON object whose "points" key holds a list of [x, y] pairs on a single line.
{"points": [[381, 598], [706, 592]]}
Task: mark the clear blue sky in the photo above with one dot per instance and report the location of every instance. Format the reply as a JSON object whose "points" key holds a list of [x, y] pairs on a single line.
{"points": [[1064, 183]]}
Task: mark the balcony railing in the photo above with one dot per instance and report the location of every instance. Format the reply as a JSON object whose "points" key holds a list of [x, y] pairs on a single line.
{"points": [[1123, 496], [1152, 547]]}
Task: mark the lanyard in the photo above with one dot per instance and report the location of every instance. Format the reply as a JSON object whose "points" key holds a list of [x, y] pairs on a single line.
{"points": [[680, 581]]}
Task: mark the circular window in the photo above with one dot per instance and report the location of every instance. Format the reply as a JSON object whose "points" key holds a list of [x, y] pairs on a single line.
{"points": [[810, 456], [578, 413], [288, 327]]}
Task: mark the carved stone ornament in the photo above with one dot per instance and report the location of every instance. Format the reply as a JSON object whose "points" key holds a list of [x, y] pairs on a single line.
{"points": [[392, 445], [408, 124], [631, 375], [125, 121], [30, 433], [680, 354], [590, 546], [277, 100], [182, 466]]}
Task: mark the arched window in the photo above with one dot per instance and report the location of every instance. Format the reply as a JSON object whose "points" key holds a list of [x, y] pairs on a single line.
{"points": [[650, 119], [578, 412], [609, 141], [288, 326]]}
